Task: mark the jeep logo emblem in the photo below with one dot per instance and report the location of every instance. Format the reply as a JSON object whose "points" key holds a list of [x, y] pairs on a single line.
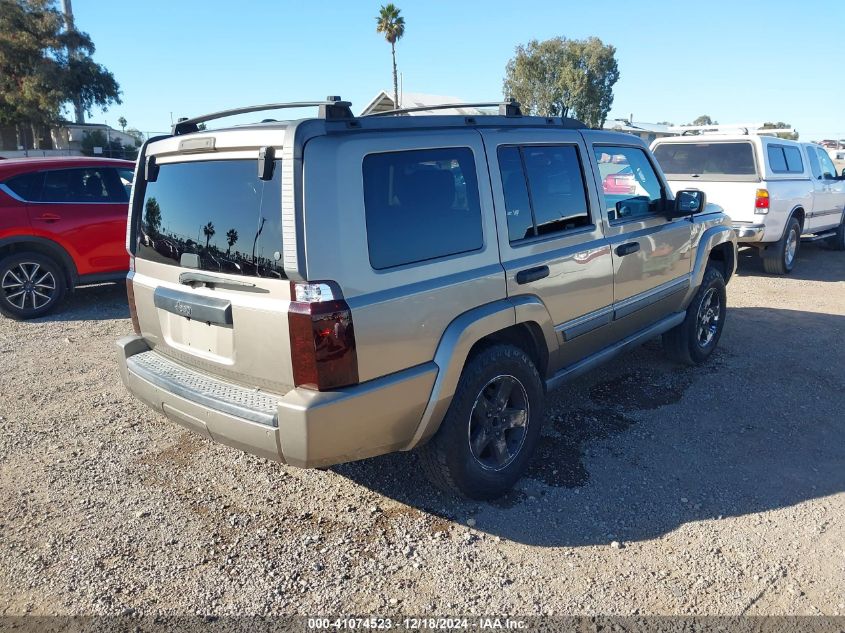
{"points": [[183, 308]]}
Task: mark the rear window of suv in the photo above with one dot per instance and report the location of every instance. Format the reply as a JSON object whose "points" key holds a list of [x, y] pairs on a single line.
{"points": [[708, 161], [215, 216], [421, 205]]}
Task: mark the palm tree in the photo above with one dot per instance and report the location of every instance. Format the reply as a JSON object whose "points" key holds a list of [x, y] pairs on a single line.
{"points": [[208, 231], [231, 238], [122, 123], [393, 26]]}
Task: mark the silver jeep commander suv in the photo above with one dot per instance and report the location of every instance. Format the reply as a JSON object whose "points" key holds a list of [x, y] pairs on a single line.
{"points": [[332, 288]]}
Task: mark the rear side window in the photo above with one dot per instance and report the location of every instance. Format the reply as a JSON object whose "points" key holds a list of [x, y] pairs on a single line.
{"points": [[213, 215], [785, 159], [708, 161], [26, 186], [97, 184], [544, 190], [421, 205]]}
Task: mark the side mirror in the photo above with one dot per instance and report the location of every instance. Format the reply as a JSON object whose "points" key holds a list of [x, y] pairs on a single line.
{"points": [[688, 202]]}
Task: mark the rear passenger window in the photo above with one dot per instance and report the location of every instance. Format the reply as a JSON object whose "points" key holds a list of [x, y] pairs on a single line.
{"points": [[421, 205], [815, 167], [544, 190], [26, 186], [98, 184], [517, 203], [785, 159]]}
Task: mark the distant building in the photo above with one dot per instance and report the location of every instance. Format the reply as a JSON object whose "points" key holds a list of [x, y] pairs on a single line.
{"points": [[64, 139], [646, 131], [383, 102]]}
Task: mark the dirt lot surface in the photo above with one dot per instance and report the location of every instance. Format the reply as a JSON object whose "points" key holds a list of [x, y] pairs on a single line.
{"points": [[658, 489]]}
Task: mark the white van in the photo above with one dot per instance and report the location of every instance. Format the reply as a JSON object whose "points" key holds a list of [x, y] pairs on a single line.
{"points": [[774, 190]]}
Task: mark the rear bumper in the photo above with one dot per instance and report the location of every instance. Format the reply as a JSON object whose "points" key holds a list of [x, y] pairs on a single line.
{"points": [[749, 232], [302, 427]]}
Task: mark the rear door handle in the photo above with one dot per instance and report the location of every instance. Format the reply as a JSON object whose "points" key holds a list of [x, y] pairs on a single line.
{"points": [[532, 274], [48, 217], [627, 249]]}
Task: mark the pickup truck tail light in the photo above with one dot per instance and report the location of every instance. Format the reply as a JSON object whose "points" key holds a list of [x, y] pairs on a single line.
{"points": [[322, 339], [130, 296], [761, 202]]}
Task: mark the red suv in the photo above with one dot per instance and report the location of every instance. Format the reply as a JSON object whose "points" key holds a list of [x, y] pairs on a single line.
{"points": [[62, 224]]}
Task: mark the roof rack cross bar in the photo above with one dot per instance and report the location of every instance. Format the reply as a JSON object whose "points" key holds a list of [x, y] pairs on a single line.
{"points": [[507, 108], [332, 108], [510, 107]]}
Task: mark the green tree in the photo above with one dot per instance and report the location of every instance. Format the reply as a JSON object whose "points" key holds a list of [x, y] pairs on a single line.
{"points": [[208, 231], [704, 119], [701, 121], [137, 135], [392, 25], [231, 238], [38, 74], [563, 77], [780, 125], [122, 123], [152, 217]]}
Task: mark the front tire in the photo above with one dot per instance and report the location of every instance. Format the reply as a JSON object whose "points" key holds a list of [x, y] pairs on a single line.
{"points": [[692, 342], [31, 285], [779, 258], [492, 426]]}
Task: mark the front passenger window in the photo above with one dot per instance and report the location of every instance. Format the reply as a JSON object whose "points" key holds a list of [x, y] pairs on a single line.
{"points": [[630, 185], [828, 169]]}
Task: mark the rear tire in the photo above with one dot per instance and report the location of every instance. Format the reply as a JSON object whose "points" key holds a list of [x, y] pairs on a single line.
{"points": [[837, 242], [779, 258], [31, 285], [491, 429], [692, 342]]}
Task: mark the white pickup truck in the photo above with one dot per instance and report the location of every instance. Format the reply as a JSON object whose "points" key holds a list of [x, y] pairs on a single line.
{"points": [[777, 192]]}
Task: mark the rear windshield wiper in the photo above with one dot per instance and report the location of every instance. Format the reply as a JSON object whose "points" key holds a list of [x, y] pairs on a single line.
{"points": [[190, 279]]}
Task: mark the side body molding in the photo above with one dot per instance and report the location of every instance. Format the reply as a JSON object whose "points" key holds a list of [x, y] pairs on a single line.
{"points": [[457, 341]]}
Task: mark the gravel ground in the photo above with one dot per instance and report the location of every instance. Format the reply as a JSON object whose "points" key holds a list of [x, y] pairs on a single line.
{"points": [[658, 490]]}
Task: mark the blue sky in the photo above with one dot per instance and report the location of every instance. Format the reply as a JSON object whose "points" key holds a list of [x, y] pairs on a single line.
{"points": [[739, 62]]}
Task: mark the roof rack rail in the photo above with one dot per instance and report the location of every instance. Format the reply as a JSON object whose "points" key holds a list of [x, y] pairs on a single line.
{"points": [[746, 129], [508, 107], [333, 108]]}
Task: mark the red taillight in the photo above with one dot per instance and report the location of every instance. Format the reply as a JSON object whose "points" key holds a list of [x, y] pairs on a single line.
{"points": [[133, 312], [322, 340], [761, 200]]}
